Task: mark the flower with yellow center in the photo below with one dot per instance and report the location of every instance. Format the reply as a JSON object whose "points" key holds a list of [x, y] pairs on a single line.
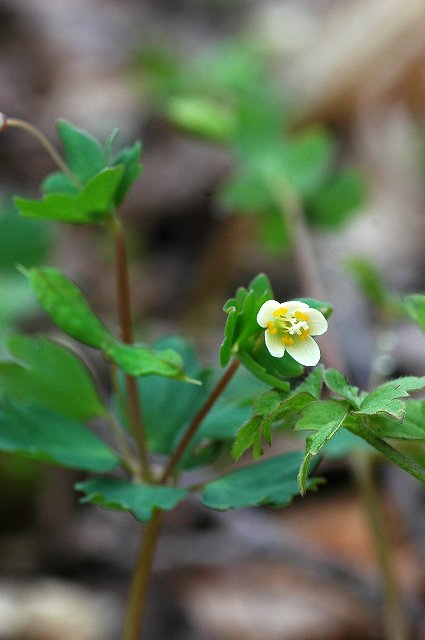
{"points": [[290, 327]]}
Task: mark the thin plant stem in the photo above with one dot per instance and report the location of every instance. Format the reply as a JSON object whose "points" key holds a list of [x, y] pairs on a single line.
{"points": [[141, 579], [124, 315], [197, 420], [38, 135], [306, 265], [395, 621]]}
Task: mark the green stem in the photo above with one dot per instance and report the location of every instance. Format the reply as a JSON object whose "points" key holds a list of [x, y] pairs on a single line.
{"points": [[197, 420], [38, 135], [395, 621], [141, 579], [124, 314]]}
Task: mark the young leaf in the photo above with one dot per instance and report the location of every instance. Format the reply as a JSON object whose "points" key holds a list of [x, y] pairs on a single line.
{"points": [[261, 371], [92, 203], [50, 375], [307, 159], [141, 361], [25, 242], [272, 482], [249, 435], [42, 434], [85, 156], [286, 412], [241, 326], [66, 305], [336, 382], [58, 182], [201, 116], [412, 427], [54, 206], [129, 158], [386, 398], [312, 384], [415, 307], [141, 500], [337, 200], [325, 419], [96, 197], [369, 280]]}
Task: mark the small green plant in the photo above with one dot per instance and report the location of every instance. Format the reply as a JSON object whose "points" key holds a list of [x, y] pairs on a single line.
{"points": [[49, 398]]}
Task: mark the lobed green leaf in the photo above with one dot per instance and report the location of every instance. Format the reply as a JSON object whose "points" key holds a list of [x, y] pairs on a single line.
{"points": [[336, 381], [84, 154], [324, 419], [50, 375], [141, 500], [271, 482], [42, 434], [386, 397]]}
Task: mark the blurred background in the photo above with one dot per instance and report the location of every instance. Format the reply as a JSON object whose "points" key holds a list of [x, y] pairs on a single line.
{"points": [[344, 81]]}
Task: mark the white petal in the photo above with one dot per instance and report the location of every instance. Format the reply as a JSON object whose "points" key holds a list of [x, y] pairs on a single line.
{"points": [[305, 352], [317, 322], [265, 314], [295, 305], [274, 345]]}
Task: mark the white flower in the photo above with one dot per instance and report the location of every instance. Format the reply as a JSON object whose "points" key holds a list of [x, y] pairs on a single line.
{"points": [[289, 327]]}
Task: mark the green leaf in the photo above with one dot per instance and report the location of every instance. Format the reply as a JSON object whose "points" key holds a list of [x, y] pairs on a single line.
{"points": [[369, 280], [165, 428], [336, 382], [96, 197], [129, 157], [312, 384], [267, 402], [41, 434], [60, 207], [67, 306], [325, 419], [412, 427], [85, 156], [262, 372], [272, 482], [249, 435], [284, 415], [241, 326], [386, 398], [50, 375], [59, 182], [141, 361], [415, 307], [307, 159], [141, 500], [90, 204], [25, 242], [201, 116], [268, 411], [69, 310], [337, 200]]}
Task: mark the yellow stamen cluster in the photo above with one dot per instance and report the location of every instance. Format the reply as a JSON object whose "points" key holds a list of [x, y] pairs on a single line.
{"points": [[280, 312], [300, 315], [288, 326], [272, 328]]}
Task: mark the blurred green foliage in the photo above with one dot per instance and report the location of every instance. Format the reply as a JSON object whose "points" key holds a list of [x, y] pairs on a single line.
{"points": [[229, 96]]}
